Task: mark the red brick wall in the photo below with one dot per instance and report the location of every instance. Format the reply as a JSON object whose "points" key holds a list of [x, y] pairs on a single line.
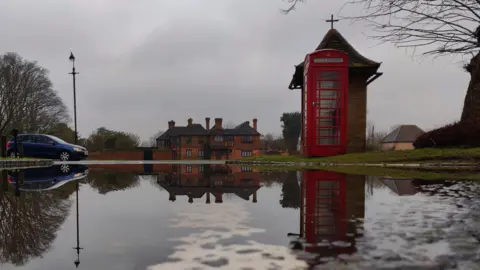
{"points": [[128, 155]]}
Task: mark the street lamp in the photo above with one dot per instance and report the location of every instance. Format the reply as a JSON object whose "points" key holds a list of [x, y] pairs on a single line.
{"points": [[72, 58]]}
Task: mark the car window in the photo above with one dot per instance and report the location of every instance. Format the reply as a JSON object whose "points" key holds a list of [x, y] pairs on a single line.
{"points": [[43, 140], [25, 138]]}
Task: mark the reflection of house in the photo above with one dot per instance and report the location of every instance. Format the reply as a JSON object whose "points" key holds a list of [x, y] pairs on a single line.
{"points": [[196, 142], [195, 181], [332, 208], [402, 187], [402, 138]]}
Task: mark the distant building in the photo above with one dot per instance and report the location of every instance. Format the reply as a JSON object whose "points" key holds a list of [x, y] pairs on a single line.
{"points": [[196, 142], [402, 138]]}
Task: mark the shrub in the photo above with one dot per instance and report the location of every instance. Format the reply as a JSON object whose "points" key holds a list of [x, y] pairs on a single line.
{"points": [[457, 134]]}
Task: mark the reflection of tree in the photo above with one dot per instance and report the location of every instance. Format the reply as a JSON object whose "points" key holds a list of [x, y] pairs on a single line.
{"points": [[105, 182], [28, 224], [291, 196]]}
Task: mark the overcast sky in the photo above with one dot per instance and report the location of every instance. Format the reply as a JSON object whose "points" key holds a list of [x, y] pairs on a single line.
{"points": [[145, 62]]}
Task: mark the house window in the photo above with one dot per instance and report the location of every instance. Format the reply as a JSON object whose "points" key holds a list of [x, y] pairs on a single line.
{"points": [[188, 169], [219, 138], [200, 153], [247, 138], [246, 153], [188, 140], [188, 153], [246, 169], [201, 169]]}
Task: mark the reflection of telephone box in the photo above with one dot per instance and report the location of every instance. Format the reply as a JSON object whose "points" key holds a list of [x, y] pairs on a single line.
{"points": [[324, 111], [323, 207]]}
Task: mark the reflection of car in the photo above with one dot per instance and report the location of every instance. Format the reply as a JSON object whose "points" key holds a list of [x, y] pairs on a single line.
{"points": [[46, 146], [48, 178]]}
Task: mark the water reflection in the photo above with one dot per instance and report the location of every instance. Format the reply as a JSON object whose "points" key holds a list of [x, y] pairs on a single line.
{"points": [[336, 220], [217, 181], [331, 214], [34, 204]]}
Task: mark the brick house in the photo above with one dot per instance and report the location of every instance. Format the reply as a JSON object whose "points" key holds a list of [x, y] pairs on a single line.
{"points": [[193, 141], [402, 138], [361, 72]]}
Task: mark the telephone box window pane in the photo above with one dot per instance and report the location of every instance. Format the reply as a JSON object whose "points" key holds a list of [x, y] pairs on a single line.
{"points": [[328, 84], [328, 75], [328, 103], [328, 94], [329, 122], [329, 141], [327, 131], [327, 112]]}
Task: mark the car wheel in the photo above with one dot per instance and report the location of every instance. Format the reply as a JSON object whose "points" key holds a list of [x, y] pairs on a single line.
{"points": [[64, 156], [64, 168]]}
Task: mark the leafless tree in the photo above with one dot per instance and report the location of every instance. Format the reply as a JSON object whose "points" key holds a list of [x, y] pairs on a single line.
{"points": [[29, 223], [374, 138], [229, 124], [27, 99], [153, 139], [291, 5], [434, 27]]}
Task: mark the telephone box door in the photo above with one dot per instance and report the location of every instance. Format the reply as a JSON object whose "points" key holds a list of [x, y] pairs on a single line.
{"points": [[326, 90]]}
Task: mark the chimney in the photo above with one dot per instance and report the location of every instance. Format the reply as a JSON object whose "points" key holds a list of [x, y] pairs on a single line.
{"points": [[255, 123], [254, 197], [218, 123], [207, 123], [218, 198], [171, 124], [190, 121], [208, 198]]}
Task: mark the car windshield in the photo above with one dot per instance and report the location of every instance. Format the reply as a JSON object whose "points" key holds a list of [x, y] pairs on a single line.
{"points": [[58, 140]]}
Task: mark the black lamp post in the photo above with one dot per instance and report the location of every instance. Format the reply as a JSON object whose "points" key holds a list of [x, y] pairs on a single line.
{"points": [[72, 58]]}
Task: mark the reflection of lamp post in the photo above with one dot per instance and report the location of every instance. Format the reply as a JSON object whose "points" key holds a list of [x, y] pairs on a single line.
{"points": [[78, 248], [72, 58]]}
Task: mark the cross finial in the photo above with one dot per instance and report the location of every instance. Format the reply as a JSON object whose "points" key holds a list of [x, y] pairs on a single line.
{"points": [[332, 21]]}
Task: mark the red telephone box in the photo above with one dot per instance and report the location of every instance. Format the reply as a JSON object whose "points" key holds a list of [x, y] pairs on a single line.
{"points": [[324, 111], [323, 208]]}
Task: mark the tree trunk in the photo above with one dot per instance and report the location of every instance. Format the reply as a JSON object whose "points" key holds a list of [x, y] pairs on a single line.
{"points": [[471, 105]]}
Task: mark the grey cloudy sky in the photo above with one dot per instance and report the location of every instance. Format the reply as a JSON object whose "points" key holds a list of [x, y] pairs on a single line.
{"points": [[145, 62]]}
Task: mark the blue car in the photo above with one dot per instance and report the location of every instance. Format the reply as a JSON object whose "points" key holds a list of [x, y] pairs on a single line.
{"points": [[42, 179], [47, 146]]}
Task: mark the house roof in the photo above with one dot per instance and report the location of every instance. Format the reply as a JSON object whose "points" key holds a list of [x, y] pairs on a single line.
{"points": [[403, 133], [192, 130], [334, 40], [198, 130]]}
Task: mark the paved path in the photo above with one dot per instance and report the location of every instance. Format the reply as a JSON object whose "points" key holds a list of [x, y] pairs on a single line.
{"points": [[129, 162]]}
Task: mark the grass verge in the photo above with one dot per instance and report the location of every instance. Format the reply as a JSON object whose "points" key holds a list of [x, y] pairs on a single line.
{"points": [[407, 156], [425, 174]]}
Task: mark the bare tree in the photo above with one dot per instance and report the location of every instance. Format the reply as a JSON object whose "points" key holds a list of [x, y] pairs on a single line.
{"points": [[374, 138], [27, 99], [229, 124], [291, 5], [153, 139], [434, 27]]}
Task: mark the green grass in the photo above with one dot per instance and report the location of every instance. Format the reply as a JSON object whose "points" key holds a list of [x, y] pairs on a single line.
{"points": [[425, 174], [405, 156]]}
